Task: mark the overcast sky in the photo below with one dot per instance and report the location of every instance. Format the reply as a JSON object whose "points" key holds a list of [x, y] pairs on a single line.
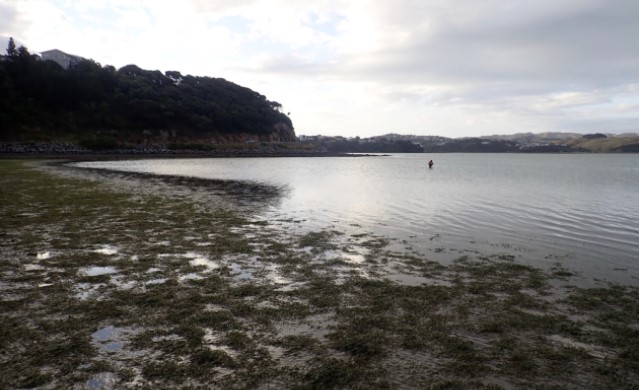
{"points": [[360, 68]]}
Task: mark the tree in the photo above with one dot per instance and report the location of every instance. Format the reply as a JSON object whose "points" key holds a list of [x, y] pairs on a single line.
{"points": [[275, 106], [594, 136], [89, 98], [11, 48], [175, 76], [23, 52]]}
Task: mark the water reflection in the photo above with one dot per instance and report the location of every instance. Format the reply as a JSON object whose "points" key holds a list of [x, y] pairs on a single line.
{"points": [[198, 260], [544, 207], [247, 194], [107, 250], [102, 381], [98, 270], [108, 338]]}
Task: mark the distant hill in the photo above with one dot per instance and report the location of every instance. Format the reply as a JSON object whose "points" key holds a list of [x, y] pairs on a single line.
{"points": [[595, 142], [514, 143], [539, 138], [608, 144], [372, 145], [99, 105]]}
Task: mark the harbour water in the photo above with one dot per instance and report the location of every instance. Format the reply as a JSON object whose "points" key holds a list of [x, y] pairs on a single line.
{"points": [[581, 210]]}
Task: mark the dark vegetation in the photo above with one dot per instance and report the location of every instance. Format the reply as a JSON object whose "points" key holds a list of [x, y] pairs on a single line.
{"points": [[394, 143], [469, 145], [594, 136], [633, 148], [378, 145], [482, 145], [102, 107]]}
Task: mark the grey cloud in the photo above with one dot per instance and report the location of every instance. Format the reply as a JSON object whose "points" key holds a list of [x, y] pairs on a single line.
{"points": [[536, 47], [497, 56], [510, 67], [596, 47]]}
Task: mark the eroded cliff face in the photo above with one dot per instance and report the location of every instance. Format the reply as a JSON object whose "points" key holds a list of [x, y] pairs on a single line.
{"points": [[283, 133], [280, 132]]}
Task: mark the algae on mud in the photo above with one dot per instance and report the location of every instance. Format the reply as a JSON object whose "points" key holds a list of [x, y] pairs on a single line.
{"points": [[117, 301]]}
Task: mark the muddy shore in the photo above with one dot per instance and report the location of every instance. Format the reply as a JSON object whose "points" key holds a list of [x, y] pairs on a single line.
{"points": [[114, 280]]}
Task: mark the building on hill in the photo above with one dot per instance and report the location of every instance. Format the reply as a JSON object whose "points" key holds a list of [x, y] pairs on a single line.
{"points": [[63, 59]]}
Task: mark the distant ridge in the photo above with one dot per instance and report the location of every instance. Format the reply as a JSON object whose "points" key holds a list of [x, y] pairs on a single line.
{"points": [[625, 143], [549, 142]]}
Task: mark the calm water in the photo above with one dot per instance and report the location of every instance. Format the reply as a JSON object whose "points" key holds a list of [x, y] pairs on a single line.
{"points": [[581, 210]]}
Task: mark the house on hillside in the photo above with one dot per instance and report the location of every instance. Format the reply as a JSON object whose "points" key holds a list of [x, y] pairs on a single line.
{"points": [[63, 59]]}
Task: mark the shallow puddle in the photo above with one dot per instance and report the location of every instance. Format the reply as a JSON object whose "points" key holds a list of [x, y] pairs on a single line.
{"points": [[593, 350], [102, 381], [157, 281], [203, 261], [86, 290], [276, 277], [43, 255], [412, 280], [97, 271], [351, 257], [200, 260], [108, 338], [123, 283], [317, 326], [240, 272], [191, 276], [279, 279], [33, 267], [107, 250], [168, 337]]}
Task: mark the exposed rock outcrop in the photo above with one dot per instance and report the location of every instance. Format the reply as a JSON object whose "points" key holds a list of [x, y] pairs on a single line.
{"points": [[281, 132]]}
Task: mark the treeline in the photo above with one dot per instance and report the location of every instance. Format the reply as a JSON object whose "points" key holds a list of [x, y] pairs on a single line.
{"points": [[40, 100], [378, 145], [480, 145], [473, 145]]}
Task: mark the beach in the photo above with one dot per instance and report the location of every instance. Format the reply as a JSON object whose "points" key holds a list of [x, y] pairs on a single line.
{"points": [[122, 280]]}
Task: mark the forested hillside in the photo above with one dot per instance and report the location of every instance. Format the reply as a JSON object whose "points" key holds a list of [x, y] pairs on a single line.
{"points": [[41, 101]]}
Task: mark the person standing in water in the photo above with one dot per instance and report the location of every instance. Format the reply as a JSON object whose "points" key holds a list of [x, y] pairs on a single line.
{"points": [[430, 164]]}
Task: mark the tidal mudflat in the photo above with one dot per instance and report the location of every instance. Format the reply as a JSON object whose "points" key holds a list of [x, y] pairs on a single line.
{"points": [[121, 280]]}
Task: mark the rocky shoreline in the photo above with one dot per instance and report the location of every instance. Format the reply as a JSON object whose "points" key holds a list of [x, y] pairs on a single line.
{"points": [[67, 150]]}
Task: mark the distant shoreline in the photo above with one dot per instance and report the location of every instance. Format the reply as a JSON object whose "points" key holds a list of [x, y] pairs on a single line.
{"points": [[132, 154], [119, 155], [70, 151], [127, 156]]}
